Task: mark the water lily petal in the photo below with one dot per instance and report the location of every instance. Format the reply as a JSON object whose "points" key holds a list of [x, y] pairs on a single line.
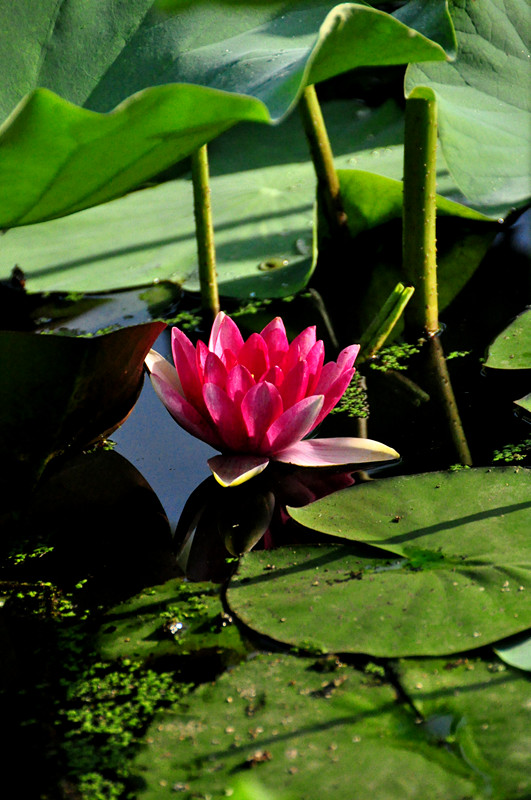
{"points": [[334, 393], [333, 452], [185, 358], [184, 413], [275, 376], [329, 374], [239, 381], [255, 356], [225, 335], [215, 371], [227, 418], [274, 335], [233, 470], [315, 360], [299, 348], [159, 366], [348, 356], [292, 425], [295, 384], [261, 406]]}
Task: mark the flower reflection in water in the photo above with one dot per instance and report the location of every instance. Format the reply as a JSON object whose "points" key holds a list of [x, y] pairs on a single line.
{"points": [[217, 526]]}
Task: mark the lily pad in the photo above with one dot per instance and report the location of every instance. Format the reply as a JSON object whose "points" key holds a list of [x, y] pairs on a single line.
{"points": [[524, 402], [60, 392], [302, 730], [484, 101], [469, 514], [176, 618], [480, 709], [170, 83], [512, 348], [461, 580], [262, 205], [332, 599]]}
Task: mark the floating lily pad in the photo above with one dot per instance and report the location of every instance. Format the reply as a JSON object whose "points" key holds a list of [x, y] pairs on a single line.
{"points": [[305, 732], [176, 618], [480, 709], [331, 599], [512, 348]]}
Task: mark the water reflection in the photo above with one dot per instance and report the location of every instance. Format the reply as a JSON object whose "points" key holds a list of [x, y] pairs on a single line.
{"points": [[218, 524]]}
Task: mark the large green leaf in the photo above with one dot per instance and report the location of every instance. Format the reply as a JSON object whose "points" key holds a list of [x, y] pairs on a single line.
{"points": [[477, 513], [463, 539], [307, 732], [484, 101], [58, 157], [333, 599], [58, 392], [512, 348], [516, 651], [480, 709], [262, 203]]}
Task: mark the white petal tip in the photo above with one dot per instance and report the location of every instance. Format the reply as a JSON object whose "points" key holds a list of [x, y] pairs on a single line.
{"points": [[235, 470]]}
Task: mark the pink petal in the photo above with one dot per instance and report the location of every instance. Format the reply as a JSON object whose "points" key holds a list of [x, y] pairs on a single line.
{"points": [[228, 359], [201, 353], [275, 376], [274, 335], [314, 359], [299, 348], [334, 393], [215, 371], [226, 417], [185, 359], [162, 369], [225, 335], [332, 452], [292, 425], [261, 406], [329, 375], [184, 413], [295, 384], [233, 470], [254, 355], [348, 356], [239, 381]]}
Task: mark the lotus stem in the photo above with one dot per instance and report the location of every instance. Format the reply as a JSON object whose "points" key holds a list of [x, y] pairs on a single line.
{"points": [[439, 371], [204, 228], [419, 253], [323, 160], [383, 323]]}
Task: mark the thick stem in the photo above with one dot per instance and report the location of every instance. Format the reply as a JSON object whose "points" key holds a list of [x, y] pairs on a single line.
{"points": [[205, 232], [323, 160], [419, 255], [441, 378]]}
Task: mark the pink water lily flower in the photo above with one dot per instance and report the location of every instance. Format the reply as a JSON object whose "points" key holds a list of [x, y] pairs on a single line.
{"points": [[255, 400]]}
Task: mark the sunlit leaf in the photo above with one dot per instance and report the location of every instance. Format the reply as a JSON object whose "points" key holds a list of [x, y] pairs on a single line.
{"points": [[484, 101], [262, 201], [512, 348], [459, 542], [59, 156]]}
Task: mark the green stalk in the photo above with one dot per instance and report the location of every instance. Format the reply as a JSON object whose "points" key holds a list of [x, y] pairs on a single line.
{"points": [[419, 254], [204, 230], [323, 160], [376, 334]]}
